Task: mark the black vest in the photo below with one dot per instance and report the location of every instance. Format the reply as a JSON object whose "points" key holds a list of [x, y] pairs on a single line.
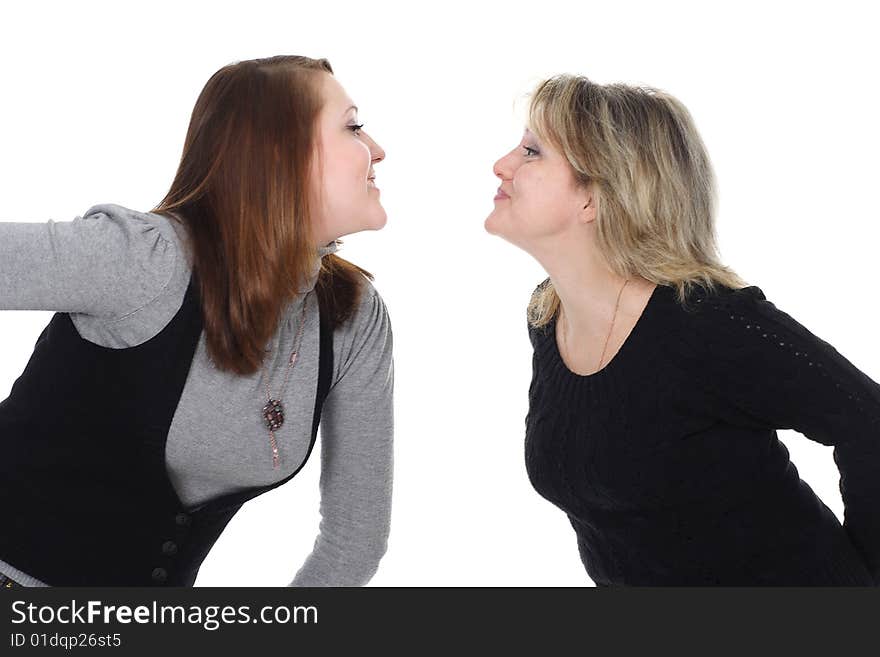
{"points": [[85, 498]]}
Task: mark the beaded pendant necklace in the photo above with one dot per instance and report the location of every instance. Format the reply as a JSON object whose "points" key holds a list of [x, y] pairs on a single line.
{"points": [[273, 410]]}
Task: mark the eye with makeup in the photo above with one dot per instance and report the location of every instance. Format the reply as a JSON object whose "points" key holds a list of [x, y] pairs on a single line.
{"points": [[356, 128], [530, 151]]}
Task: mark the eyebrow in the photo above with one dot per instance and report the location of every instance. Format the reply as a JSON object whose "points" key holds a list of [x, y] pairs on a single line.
{"points": [[353, 107]]}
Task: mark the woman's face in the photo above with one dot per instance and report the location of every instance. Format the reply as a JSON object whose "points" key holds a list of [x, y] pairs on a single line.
{"points": [[347, 197], [538, 197]]}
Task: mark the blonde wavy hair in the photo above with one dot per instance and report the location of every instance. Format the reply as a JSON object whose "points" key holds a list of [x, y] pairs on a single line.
{"points": [[652, 182]]}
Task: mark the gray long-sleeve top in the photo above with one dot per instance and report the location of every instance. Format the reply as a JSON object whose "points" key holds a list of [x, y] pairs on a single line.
{"points": [[122, 275]]}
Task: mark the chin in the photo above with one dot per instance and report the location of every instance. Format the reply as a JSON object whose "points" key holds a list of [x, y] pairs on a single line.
{"points": [[374, 223], [489, 227]]}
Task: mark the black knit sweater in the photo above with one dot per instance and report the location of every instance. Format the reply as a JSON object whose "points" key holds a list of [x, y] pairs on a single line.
{"points": [[667, 460]]}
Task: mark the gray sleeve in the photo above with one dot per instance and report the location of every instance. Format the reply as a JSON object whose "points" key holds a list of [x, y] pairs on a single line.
{"points": [[357, 430], [100, 264]]}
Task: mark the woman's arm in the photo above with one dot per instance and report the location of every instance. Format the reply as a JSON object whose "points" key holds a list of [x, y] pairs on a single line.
{"points": [[774, 372], [105, 263], [357, 427]]}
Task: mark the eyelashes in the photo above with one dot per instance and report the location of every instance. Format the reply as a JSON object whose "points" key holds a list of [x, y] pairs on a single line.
{"points": [[530, 151], [356, 128]]}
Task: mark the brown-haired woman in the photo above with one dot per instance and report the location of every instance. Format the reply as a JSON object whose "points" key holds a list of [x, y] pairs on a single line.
{"points": [[196, 346], [659, 377]]}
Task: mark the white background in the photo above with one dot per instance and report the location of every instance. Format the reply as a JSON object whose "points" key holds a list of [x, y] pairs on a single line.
{"points": [[96, 97]]}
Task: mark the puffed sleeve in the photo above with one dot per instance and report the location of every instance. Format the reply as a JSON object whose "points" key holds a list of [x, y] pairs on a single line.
{"points": [[357, 427], [774, 372], [105, 263]]}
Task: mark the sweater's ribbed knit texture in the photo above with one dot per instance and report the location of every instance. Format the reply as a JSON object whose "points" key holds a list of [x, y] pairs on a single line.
{"points": [[667, 460]]}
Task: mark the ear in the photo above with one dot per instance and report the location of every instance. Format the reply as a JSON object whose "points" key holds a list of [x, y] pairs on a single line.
{"points": [[588, 207]]}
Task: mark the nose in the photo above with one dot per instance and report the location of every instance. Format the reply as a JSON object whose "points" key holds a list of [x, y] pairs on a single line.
{"points": [[503, 168], [377, 152]]}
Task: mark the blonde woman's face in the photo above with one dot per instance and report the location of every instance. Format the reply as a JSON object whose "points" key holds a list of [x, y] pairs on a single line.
{"points": [[347, 197], [538, 197]]}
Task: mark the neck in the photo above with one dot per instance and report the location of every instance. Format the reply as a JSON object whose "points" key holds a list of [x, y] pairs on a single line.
{"points": [[588, 290]]}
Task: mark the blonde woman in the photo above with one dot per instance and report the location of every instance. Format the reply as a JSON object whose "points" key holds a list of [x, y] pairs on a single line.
{"points": [[195, 348], [660, 377]]}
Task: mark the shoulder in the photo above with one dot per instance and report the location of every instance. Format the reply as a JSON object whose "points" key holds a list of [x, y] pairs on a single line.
{"points": [[707, 310], [740, 328], [143, 257], [744, 307], [747, 315], [144, 227], [726, 296], [369, 320], [364, 343], [143, 247], [370, 305]]}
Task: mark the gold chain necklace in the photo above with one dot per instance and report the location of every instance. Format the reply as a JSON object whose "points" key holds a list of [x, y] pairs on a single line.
{"points": [[613, 317]]}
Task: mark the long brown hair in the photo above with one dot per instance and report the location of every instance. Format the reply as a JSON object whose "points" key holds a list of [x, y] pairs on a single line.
{"points": [[242, 190], [651, 177]]}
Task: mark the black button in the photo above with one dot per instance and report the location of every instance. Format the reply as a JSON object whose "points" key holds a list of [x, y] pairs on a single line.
{"points": [[160, 574], [169, 547], [182, 519]]}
